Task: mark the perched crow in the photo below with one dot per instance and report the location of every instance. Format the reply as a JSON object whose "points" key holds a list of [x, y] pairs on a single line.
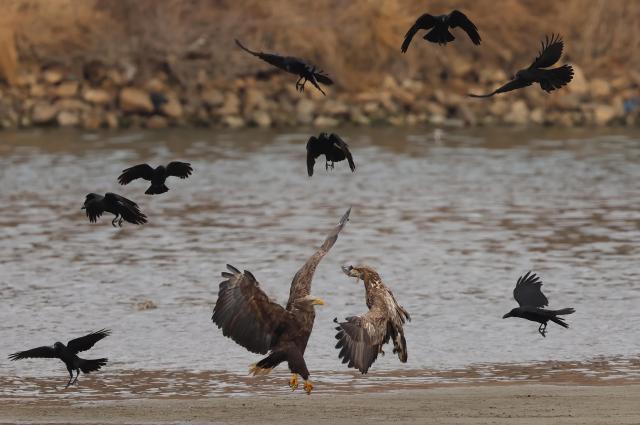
{"points": [[439, 26], [157, 176], [531, 299], [549, 79], [69, 354], [332, 147], [121, 207], [297, 66]]}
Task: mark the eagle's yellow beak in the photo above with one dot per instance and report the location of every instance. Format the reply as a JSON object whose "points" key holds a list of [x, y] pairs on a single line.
{"points": [[317, 301]]}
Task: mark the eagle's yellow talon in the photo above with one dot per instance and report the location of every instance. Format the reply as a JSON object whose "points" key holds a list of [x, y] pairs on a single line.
{"points": [[308, 386], [293, 383]]}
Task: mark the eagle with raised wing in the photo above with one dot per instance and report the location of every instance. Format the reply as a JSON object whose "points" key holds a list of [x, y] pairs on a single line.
{"points": [[439, 26], [296, 66], [157, 176], [360, 338], [528, 293], [249, 317], [69, 354], [549, 79]]}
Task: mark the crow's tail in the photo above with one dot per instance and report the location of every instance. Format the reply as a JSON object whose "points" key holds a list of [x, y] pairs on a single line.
{"points": [[156, 190], [564, 311], [439, 36], [246, 49], [87, 366], [552, 79]]}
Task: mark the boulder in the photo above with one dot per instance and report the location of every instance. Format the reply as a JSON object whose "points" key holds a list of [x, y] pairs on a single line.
{"points": [[603, 114], [172, 108], [97, 96], [518, 113], [66, 89], [261, 119], [134, 100], [599, 88], [212, 98], [231, 105], [323, 121], [578, 84], [157, 121], [44, 113], [53, 75], [68, 119], [304, 111]]}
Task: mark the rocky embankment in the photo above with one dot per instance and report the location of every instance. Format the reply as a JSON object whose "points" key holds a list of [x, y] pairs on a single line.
{"points": [[115, 97]]}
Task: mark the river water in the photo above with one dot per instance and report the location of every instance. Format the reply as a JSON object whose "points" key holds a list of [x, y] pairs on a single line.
{"points": [[450, 218]]}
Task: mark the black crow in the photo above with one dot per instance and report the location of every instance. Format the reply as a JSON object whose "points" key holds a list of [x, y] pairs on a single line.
{"points": [[531, 299], [439, 26], [69, 354], [549, 79], [157, 176], [332, 147], [121, 207], [293, 65]]}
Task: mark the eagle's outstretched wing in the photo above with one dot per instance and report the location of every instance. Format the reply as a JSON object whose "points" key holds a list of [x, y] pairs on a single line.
{"points": [[360, 339], [301, 284], [246, 314]]}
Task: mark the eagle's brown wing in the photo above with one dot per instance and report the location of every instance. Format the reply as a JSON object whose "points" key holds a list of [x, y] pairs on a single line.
{"points": [[246, 314], [360, 338], [301, 284]]}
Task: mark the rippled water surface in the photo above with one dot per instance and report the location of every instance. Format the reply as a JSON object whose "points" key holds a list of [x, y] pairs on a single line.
{"points": [[449, 218]]}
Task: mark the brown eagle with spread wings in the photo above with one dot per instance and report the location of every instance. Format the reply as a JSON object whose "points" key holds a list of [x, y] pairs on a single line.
{"points": [[249, 317], [360, 338]]}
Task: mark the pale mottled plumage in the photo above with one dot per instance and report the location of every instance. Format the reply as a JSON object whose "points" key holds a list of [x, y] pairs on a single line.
{"points": [[360, 338]]}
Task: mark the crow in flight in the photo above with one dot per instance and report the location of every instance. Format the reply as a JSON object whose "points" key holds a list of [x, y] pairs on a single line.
{"points": [[439, 26], [69, 354], [531, 299], [121, 207], [296, 66], [332, 147], [157, 176], [549, 79]]}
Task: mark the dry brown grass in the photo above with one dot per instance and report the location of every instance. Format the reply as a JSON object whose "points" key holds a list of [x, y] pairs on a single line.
{"points": [[357, 41]]}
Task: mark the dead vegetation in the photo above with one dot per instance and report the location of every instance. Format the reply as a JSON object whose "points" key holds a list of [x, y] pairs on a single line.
{"points": [[357, 41]]}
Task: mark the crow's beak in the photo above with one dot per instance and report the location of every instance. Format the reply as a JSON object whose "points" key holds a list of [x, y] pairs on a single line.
{"points": [[82, 207], [506, 315]]}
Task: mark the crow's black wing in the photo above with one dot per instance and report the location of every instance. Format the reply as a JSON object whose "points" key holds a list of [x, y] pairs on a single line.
{"points": [[550, 52], [94, 207], [342, 145], [424, 22], [143, 171], [313, 151], [528, 291], [40, 352], [459, 19], [511, 85], [85, 342], [179, 169], [128, 209]]}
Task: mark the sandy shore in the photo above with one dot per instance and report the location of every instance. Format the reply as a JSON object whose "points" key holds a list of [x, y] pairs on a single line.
{"points": [[495, 404]]}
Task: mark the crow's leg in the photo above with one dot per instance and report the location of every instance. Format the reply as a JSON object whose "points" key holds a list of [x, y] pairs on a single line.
{"points": [[326, 165], [70, 378], [76, 378], [120, 221], [543, 329], [332, 165], [299, 84], [113, 222]]}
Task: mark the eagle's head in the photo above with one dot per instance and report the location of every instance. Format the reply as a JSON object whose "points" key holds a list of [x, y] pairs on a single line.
{"points": [[360, 272], [308, 302]]}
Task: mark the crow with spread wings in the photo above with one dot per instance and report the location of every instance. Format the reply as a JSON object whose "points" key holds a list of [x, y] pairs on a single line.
{"points": [[360, 338], [332, 147], [69, 354], [439, 26], [249, 317], [157, 176], [549, 79], [123, 209], [296, 66], [528, 293]]}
